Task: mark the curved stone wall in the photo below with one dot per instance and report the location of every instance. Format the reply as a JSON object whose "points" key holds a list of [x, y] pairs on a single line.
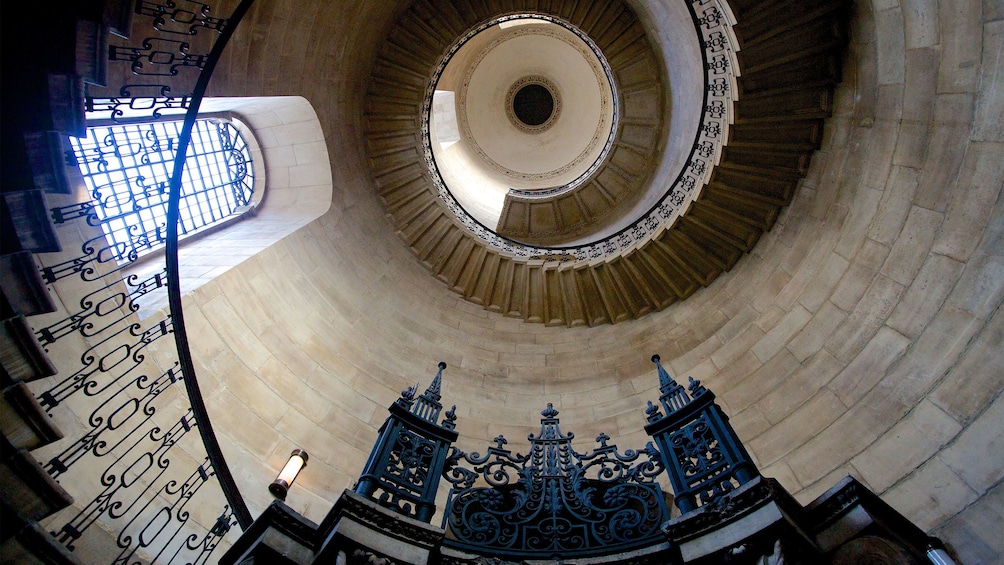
{"points": [[862, 335]]}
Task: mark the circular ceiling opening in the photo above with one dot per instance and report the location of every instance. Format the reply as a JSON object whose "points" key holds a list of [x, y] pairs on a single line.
{"points": [[533, 105], [523, 102]]}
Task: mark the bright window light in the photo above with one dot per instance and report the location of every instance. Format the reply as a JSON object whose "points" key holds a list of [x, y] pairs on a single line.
{"points": [[127, 170]]}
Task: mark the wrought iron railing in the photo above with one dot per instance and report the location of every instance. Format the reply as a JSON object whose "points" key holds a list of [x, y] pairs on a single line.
{"points": [[132, 463], [555, 501]]}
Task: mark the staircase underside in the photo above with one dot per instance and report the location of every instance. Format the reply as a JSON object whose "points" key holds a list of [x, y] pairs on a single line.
{"points": [[789, 58]]}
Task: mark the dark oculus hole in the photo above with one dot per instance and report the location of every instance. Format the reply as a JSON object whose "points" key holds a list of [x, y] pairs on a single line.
{"points": [[533, 105]]}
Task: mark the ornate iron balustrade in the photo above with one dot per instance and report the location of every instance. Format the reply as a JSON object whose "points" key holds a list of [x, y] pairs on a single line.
{"points": [[167, 494], [704, 458], [410, 453], [554, 500], [102, 309]]}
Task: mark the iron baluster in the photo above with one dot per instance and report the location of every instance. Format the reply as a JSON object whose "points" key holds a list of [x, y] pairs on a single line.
{"points": [[105, 306], [158, 56], [118, 497], [206, 544], [168, 520], [97, 253], [168, 15], [63, 214], [134, 398], [102, 370], [148, 99]]}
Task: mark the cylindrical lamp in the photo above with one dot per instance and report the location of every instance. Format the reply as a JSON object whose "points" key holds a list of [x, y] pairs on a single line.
{"points": [[937, 554], [280, 486]]}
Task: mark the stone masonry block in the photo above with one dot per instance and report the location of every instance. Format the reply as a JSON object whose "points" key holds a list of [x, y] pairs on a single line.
{"points": [[931, 495], [977, 455], [869, 366], [908, 444], [925, 295], [913, 245]]}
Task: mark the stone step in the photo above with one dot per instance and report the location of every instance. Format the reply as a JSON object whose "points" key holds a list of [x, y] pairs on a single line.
{"points": [[484, 283], [571, 299], [763, 155], [501, 290], [25, 488], [668, 282], [635, 292], [794, 102], [614, 301], [759, 184], [753, 209], [804, 133], [757, 21], [426, 244], [46, 154], [407, 212], [26, 542], [411, 195], [21, 356], [25, 214], [118, 14], [441, 257], [23, 421], [466, 283], [815, 68], [452, 269], [91, 51], [22, 287], [718, 246], [423, 36], [730, 225], [415, 228]]}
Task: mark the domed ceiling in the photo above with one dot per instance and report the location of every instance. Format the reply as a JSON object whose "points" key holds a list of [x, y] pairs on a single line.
{"points": [[535, 110], [564, 166]]}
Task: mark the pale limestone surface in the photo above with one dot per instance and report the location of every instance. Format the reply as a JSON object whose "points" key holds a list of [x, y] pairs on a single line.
{"points": [[862, 335]]}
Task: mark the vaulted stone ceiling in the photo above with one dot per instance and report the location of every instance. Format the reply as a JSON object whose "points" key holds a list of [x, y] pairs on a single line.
{"points": [[861, 334]]}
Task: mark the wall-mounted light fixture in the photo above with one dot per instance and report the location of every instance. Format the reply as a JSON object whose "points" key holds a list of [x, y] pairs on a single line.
{"points": [[280, 486], [936, 552]]}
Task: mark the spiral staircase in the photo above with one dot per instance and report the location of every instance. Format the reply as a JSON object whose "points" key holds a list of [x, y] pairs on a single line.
{"points": [[789, 66], [788, 71]]}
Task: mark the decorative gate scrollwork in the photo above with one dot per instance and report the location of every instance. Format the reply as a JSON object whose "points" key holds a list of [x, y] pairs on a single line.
{"points": [[554, 499]]}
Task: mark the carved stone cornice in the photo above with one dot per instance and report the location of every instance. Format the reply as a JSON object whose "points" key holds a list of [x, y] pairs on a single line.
{"points": [[722, 511], [841, 498], [364, 511]]}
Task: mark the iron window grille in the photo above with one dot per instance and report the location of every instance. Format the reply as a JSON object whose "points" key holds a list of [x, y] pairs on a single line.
{"points": [[127, 168]]}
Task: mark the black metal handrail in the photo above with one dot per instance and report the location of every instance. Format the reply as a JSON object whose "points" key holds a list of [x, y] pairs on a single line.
{"points": [[227, 483]]}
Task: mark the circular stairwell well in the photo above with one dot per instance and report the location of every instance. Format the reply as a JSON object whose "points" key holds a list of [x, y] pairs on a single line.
{"points": [[688, 186]]}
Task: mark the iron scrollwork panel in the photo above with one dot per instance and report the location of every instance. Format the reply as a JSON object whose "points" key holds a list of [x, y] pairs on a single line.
{"points": [[554, 499], [705, 468]]}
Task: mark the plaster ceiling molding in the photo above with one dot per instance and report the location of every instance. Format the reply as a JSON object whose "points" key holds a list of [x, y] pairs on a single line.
{"points": [[558, 150], [663, 213]]}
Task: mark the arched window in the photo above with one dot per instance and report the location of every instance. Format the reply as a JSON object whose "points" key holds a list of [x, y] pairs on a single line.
{"points": [[127, 167]]}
